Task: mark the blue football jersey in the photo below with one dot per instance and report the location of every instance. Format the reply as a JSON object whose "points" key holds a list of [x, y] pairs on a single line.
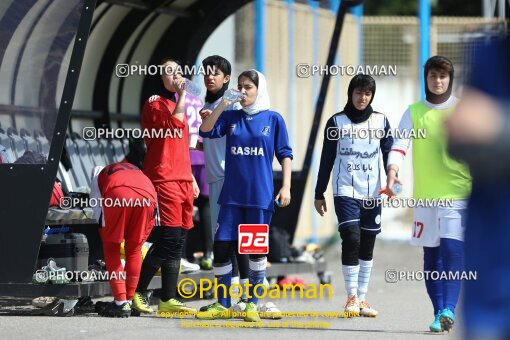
{"points": [[252, 141]]}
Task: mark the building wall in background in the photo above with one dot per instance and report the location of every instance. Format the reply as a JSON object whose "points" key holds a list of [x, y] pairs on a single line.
{"points": [[300, 118], [221, 42]]}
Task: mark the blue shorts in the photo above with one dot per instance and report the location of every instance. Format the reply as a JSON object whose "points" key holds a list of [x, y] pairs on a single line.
{"points": [[231, 216], [355, 212]]}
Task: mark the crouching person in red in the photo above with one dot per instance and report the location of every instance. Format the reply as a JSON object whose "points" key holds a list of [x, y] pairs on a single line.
{"points": [[125, 209]]}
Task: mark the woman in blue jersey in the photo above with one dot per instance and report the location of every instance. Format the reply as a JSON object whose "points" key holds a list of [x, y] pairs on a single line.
{"points": [[254, 135]]}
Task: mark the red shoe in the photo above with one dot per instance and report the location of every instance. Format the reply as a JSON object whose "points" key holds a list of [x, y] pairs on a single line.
{"points": [[298, 281], [285, 282]]}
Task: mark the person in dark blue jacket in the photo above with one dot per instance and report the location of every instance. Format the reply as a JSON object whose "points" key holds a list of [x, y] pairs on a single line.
{"points": [[479, 134]]}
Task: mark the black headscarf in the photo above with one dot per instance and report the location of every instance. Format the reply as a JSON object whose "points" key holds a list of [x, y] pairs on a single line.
{"points": [[212, 97], [167, 94], [438, 62], [358, 116]]}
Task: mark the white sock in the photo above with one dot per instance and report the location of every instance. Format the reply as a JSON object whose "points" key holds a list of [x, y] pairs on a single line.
{"points": [[365, 268], [234, 280], [351, 279], [120, 303], [242, 282]]}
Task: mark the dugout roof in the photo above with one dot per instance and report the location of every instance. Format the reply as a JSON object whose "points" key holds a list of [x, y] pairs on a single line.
{"points": [[42, 48]]}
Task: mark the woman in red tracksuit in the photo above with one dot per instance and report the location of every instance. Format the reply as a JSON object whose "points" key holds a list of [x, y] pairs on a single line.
{"points": [[126, 214], [167, 164]]}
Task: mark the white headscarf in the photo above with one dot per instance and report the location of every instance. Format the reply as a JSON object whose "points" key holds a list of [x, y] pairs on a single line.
{"points": [[262, 101]]}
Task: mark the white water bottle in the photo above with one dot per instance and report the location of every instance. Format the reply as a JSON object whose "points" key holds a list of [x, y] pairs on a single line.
{"points": [[191, 88], [232, 95]]}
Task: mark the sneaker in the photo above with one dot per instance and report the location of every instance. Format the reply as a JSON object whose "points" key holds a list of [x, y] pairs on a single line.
{"points": [[84, 304], [269, 311], [206, 263], [436, 325], [141, 303], [112, 310], [100, 306], [56, 274], [50, 310], [238, 309], [446, 318], [252, 315], [206, 307], [173, 305], [214, 311], [59, 307], [305, 257], [187, 267], [352, 306], [366, 310], [43, 301]]}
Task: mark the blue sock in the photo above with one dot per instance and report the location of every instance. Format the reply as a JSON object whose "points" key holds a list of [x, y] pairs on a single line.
{"points": [[432, 261], [257, 276], [223, 273], [452, 254]]}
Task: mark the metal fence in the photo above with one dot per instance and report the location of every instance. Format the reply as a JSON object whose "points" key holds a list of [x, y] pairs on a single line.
{"points": [[395, 40]]}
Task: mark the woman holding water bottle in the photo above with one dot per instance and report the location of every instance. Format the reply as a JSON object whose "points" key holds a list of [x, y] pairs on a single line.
{"points": [[167, 164], [437, 176], [254, 135], [355, 163]]}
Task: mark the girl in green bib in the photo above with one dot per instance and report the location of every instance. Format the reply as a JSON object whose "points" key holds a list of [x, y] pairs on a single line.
{"points": [[439, 229]]}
